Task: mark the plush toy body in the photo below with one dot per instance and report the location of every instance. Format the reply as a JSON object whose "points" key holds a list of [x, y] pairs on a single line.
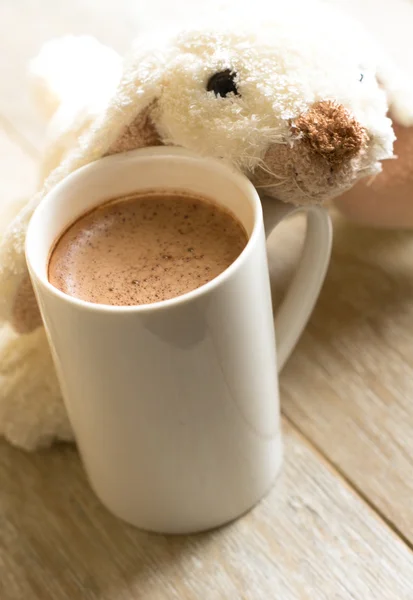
{"points": [[298, 109]]}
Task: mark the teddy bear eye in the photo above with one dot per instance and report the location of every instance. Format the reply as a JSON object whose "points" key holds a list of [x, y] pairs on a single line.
{"points": [[223, 83]]}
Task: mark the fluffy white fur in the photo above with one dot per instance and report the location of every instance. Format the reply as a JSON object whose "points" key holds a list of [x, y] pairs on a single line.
{"points": [[317, 59]]}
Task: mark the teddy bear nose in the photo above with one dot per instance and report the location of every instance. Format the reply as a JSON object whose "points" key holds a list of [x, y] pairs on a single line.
{"points": [[331, 131]]}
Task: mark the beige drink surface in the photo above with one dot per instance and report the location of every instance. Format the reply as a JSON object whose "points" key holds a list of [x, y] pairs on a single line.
{"points": [[145, 248]]}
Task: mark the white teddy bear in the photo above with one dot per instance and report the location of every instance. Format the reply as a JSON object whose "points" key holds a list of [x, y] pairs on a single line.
{"points": [[288, 98]]}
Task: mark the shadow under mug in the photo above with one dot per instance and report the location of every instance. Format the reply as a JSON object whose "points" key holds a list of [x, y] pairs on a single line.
{"points": [[175, 405]]}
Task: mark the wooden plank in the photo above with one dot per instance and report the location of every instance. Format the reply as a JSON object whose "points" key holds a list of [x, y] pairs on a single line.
{"points": [[349, 384], [311, 538]]}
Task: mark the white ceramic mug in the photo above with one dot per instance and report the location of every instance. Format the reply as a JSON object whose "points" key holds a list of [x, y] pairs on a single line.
{"points": [[175, 405]]}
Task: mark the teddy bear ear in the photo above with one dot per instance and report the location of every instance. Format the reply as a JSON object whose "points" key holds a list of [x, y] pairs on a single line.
{"points": [[127, 122], [141, 132]]}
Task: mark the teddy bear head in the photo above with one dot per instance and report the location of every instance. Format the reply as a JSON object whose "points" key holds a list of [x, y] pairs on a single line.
{"points": [[295, 103]]}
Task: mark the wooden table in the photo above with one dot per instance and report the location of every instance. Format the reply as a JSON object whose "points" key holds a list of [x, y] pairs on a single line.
{"points": [[338, 523]]}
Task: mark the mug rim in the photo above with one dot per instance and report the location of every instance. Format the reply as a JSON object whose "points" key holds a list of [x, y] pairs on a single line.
{"points": [[156, 153]]}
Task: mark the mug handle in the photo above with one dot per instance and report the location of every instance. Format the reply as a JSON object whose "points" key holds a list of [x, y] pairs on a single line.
{"points": [[298, 304]]}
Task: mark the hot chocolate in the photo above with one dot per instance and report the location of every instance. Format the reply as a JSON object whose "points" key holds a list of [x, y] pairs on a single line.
{"points": [[145, 248]]}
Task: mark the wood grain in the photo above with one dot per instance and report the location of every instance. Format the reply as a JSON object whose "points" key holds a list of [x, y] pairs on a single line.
{"points": [[349, 385], [311, 538]]}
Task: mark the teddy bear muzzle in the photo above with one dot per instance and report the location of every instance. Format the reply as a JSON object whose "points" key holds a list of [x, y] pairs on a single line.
{"points": [[318, 158], [331, 133]]}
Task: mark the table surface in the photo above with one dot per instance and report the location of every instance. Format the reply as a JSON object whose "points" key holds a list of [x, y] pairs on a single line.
{"points": [[338, 524]]}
